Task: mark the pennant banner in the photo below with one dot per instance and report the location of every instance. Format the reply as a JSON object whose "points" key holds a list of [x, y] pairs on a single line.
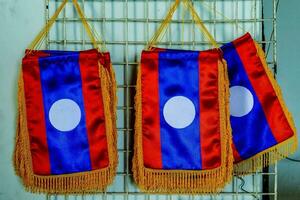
{"points": [[262, 128], [182, 139], [66, 131], [66, 111]]}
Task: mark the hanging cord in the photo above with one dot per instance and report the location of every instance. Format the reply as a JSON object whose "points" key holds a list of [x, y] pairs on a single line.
{"points": [[92, 34], [36, 43], [213, 9], [198, 21], [162, 28], [45, 30], [182, 28]]}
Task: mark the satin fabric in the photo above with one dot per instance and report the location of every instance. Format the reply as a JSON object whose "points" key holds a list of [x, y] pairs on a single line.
{"points": [[95, 123], [178, 76], [169, 73], [209, 109], [251, 133], [150, 110], [53, 75], [265, 125], [61, 79], [35, 115]]}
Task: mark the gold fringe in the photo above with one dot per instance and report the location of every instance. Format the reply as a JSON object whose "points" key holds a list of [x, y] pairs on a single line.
{"points": [[185, 181], [114, 101], [84, 182], [227, 121], [279, 151]]}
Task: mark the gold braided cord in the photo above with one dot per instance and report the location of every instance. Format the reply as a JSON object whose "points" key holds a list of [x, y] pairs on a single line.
{"points": [[162, 28], [214, 10], [42, 34], [200, 23], [87, 27], [46, 28], [158, 35]]}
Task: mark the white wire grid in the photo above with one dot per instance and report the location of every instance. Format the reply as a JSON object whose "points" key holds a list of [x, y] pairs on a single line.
{"points": [[125, 27]]}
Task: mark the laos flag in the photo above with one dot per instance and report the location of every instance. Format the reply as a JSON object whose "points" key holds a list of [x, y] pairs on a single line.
{"points": [[262, 127], [180, 121], [65, 111]]}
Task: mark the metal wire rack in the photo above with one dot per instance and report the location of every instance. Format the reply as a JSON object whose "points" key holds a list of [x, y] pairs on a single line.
{"points": [[125, 27]]}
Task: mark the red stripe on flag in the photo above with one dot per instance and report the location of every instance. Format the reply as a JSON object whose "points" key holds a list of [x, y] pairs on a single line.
{"points": [[263, 88], [150, 110], [236, 154], [94, 109], [35, 116], [209, 110]]}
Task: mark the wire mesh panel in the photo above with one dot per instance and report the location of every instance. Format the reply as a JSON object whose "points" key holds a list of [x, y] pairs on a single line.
{"points": [[125, 27]]}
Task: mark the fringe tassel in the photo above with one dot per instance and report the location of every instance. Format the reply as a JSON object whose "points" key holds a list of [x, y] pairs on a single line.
{"points": [[279, 151], [227, 121], [267, 157], [77, 183], [114, 100], [185, 181]]}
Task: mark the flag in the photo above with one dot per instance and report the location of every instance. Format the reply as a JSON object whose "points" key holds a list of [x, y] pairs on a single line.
{"points": [[182, 143], [262, 128], [66, 119]]}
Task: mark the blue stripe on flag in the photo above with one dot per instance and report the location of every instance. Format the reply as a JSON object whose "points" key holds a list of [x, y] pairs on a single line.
{"points": [[179, 76], [251, 133], [61, 79]]}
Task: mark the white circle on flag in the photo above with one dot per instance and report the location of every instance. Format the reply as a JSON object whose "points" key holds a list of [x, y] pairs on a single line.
{"points": [[65, 114], [241, 101], [179, 112]]}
